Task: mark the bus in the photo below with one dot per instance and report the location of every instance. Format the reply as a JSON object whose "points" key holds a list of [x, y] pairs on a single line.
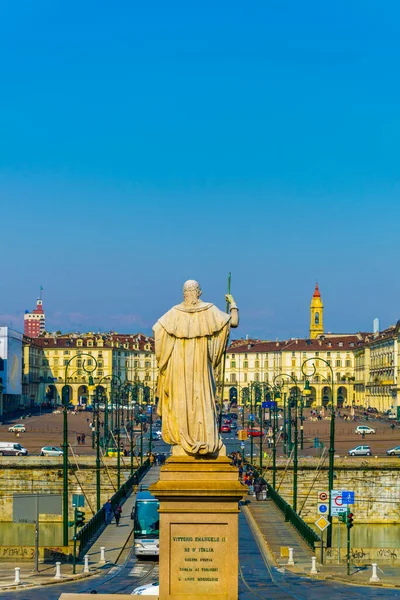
{"points": [[146, 525]]}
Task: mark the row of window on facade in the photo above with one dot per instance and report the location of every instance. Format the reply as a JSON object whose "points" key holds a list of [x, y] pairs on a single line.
{"points": [[233, 378], [339, 363]]}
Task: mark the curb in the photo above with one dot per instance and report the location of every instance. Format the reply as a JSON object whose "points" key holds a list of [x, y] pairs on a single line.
{"points": [[264, 546], [66, 579]]}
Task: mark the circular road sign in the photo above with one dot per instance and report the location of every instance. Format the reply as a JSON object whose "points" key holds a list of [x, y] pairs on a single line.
{"points": [[323, 496], [323, 508], [338, 500]]}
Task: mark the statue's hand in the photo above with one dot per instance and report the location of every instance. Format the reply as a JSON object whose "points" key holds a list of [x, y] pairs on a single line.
{"points": [[230, 300]]}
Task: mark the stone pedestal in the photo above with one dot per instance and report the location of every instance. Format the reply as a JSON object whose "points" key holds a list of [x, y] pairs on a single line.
{"points": [[198, 528]]}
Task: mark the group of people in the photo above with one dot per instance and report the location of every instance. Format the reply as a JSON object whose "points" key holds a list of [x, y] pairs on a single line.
{"points": [[110, 512], [80, 438], [156, 459], [247, 474]]}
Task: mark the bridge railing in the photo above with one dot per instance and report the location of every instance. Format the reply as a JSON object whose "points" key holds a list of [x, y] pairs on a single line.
{"points": [[305, 531], [92, 527]]}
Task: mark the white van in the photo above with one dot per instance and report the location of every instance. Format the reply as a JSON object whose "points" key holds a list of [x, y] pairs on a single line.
{"points": [[12, 449]]}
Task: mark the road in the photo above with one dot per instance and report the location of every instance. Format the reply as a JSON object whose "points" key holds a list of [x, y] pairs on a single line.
{"points": [[47, 429], [258, 578]]}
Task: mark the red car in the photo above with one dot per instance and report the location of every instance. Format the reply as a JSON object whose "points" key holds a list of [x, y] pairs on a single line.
{"points": [[225, 429], [227, 421], [255, 433]]}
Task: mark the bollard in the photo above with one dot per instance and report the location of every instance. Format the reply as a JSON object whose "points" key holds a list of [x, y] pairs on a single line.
{"points": [[17, 575], [86, 567], [290, 561], [58, 571], [102, 555], [314, 566], [374, 576]]}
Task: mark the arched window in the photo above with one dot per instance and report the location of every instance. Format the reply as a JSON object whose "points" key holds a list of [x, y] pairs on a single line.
{"points": [[316, 318]]}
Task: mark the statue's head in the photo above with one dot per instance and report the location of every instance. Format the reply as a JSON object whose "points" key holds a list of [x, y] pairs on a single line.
{"points": [[191, 291]]}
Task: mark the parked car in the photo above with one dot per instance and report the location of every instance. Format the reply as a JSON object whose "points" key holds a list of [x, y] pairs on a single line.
{"points": [[225, 429], [233, 415], [393, 451], [11, 449], [234, 426], [364, 429], [18, 428], [150, 589], [51, 451], [360, 451], [255, 433]]}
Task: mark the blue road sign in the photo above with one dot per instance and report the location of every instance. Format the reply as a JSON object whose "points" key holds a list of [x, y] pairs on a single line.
{"points": [[242, 445], [78, 500], [322, 508], [269, 404], [251, 417], [149, 409], [347, 497]]}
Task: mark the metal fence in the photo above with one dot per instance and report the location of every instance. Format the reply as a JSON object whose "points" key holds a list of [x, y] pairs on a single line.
{"points": [[93, 527]]}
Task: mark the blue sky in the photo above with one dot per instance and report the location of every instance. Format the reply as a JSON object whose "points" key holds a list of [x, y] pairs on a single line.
{"points": [[143, 144]]}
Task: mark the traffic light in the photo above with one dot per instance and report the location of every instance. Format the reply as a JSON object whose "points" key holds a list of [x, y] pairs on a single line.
{"points": [[343, 517], [79, 518], [350, 517]]}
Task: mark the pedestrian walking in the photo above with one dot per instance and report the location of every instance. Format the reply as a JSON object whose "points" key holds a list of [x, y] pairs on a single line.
{"points": [[257, 490], [107, 512], [117, 514], [83, 438], [78, 439]]}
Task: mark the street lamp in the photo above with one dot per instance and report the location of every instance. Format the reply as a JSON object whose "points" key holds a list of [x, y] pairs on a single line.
{"points": [[65, 401], [331, 438], [273, 392], [292, 404]]}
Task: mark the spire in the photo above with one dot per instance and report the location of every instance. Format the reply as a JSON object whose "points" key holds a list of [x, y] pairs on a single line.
{"points": [[317, 293], [316, 314]]}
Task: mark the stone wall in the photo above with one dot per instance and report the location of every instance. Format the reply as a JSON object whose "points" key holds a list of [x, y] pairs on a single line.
{"points": [[364, 556], [375, 481], [28, 475]]}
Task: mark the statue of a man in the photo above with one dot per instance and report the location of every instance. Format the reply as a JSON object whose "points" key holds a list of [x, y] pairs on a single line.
{"points": [[190, 341]]}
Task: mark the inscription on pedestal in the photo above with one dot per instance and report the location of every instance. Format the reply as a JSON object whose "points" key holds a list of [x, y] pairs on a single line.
{"points": [[198, 558]]}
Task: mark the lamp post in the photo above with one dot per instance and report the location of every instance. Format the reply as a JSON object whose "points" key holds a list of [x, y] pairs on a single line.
{"points": [[331, 437], [293, 402], [130, 387], [275, 392], [65, 401], [115, 399]]}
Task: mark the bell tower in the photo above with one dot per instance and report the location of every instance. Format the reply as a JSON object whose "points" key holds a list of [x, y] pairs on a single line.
{"points": [[316, 314]]}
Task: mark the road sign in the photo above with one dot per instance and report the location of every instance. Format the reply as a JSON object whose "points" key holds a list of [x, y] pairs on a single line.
{"points": [[251, 417], [78, 500], [322, 523], [242, 445], [337, 506], [347, 497], [27, 507], [323, 496], [322, 509], [269, 404], [149, 409]]}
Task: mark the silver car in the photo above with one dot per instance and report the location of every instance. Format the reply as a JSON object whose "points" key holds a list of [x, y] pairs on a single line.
{"points": [[360, 451], [393, 451], [51, 451]]}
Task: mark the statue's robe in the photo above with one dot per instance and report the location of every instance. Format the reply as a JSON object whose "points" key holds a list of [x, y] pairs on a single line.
{"points": [[189, 345]]}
